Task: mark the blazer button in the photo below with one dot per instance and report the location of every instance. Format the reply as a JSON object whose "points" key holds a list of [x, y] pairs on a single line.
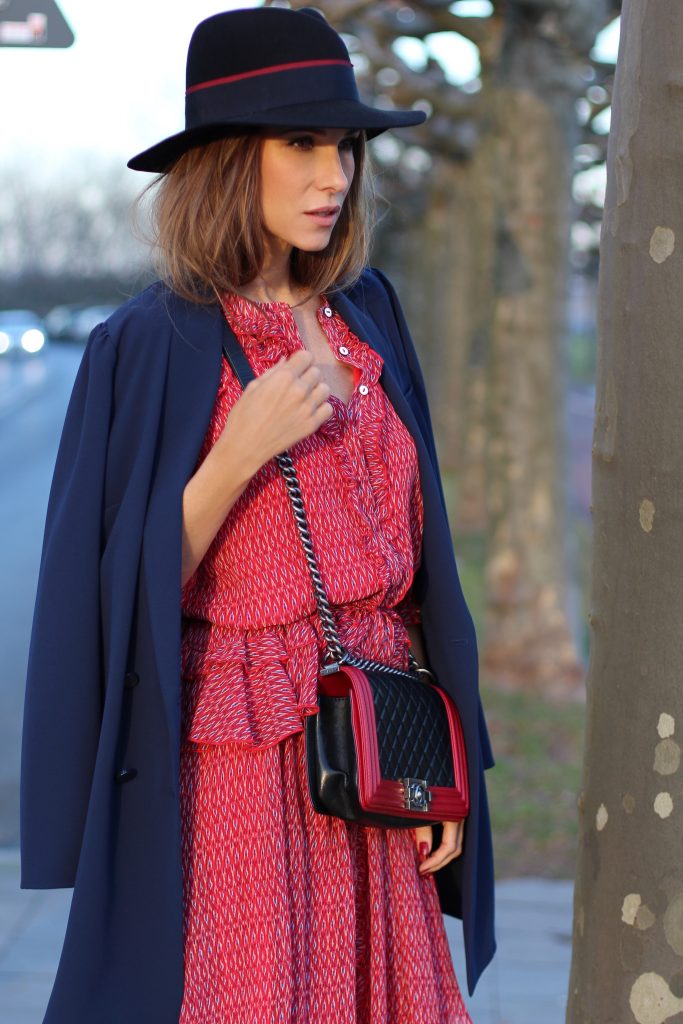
{"points": [[125, 774], [131, 679]]}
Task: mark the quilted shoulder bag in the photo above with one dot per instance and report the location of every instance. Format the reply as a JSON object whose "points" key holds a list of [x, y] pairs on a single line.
{"points": [[386, 747]]}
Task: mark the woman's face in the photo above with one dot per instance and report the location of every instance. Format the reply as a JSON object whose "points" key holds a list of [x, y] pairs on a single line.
{"points": [[305, 176]]}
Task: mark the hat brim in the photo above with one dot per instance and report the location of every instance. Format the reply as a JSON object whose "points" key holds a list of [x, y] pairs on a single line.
{"points": [[340, 114]]}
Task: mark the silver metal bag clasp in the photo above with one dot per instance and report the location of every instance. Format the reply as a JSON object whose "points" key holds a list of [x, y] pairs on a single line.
{"points": [[416, 795]]}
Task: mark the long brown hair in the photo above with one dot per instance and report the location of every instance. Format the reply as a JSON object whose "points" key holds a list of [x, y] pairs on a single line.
{"points": [[208, 230]]}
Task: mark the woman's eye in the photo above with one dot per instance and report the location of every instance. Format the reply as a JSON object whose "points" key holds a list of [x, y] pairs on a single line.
{"points": [[302, 141], [307, 142]]}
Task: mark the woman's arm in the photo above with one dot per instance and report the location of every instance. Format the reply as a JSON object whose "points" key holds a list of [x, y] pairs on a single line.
{"points": [[280, 407], [208, 497]]}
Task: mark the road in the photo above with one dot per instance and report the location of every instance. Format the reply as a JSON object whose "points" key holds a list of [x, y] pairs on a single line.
{"points": [[33, 400]]}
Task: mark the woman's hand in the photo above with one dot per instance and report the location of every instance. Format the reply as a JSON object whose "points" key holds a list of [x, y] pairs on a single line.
{"points": [[280, 407], [450, 848]]}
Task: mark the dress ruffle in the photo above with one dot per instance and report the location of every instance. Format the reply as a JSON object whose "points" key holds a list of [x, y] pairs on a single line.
{"points": [[256, 688]]}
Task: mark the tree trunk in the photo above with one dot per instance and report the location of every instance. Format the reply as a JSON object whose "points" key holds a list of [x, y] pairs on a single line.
{"points": [[445, 264], [628, 904], [528, 640]]}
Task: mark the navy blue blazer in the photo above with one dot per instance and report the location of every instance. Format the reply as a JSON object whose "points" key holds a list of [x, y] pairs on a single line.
{"points": [[103, 687]]}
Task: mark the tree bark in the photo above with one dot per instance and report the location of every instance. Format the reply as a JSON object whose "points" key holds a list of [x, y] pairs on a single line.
{"points": [[628, 904]]}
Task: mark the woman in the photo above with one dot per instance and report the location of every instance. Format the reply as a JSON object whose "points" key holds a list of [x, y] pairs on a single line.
{"points": [[175, 644]]}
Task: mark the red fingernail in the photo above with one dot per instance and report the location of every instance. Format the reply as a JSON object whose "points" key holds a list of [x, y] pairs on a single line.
{"points": [[424, 850]]}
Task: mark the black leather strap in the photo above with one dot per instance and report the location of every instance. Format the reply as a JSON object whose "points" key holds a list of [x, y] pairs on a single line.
{"points": [[234, 353]]}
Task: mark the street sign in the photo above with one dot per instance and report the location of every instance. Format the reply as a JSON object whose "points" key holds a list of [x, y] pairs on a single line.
{"points": [[34, 24]]}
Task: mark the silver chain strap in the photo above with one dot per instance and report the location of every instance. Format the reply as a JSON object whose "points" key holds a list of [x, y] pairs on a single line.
{"points": [[335, 653]]}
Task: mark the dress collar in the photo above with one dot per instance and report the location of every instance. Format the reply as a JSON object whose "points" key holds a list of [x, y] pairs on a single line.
{"points": [[266, 329], [251, 319]]}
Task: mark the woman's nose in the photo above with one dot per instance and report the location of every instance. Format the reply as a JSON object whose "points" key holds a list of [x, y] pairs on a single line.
{"points": [[335, 172]]}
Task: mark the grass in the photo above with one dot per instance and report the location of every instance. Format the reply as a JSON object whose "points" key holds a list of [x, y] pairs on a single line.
{"points": [[538, 746], [533, 787]]}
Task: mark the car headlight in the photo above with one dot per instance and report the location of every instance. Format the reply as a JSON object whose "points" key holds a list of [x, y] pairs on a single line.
{"points": [[4, 342], [32, 340]]}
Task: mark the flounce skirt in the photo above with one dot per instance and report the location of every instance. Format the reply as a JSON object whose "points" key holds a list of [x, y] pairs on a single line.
{"points": [[298, 917]]}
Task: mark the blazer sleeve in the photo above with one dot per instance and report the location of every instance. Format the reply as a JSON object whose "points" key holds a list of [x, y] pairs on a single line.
{"points": [[417, 380], [64, 686]]}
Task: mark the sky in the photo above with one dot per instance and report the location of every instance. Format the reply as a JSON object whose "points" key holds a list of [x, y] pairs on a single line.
{"points": [[120, 87]]}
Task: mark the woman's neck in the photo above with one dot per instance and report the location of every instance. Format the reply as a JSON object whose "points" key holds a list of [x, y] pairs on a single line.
{"points": [[274, 283], [264, 288]]}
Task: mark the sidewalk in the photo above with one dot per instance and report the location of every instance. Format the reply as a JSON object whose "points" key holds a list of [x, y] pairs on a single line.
{"points": [[526, 981]]}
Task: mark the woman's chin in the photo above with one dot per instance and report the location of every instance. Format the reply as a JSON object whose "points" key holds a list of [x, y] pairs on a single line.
{"points": [[314, 245]]}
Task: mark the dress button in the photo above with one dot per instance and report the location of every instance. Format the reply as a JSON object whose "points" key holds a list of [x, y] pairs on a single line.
{"points": [[327, 311], [363, 389], [343, 350]]}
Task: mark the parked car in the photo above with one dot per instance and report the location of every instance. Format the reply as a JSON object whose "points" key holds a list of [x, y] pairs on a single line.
{"points": [[87, 318], [22, 333], [74, 322], [59, 320]]}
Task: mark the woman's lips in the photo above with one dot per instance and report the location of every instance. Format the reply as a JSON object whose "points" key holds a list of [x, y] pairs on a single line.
{"points": [[325, 219]]}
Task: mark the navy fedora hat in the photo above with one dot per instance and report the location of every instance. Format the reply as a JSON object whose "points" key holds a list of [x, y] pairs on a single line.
{"points": [[266, 66]]}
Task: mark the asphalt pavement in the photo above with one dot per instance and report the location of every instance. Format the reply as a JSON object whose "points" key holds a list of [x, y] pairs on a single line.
{"points": [[526, 982]]}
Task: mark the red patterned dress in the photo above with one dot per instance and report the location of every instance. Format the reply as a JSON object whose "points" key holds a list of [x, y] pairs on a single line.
{"points": [[290, 915]]}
